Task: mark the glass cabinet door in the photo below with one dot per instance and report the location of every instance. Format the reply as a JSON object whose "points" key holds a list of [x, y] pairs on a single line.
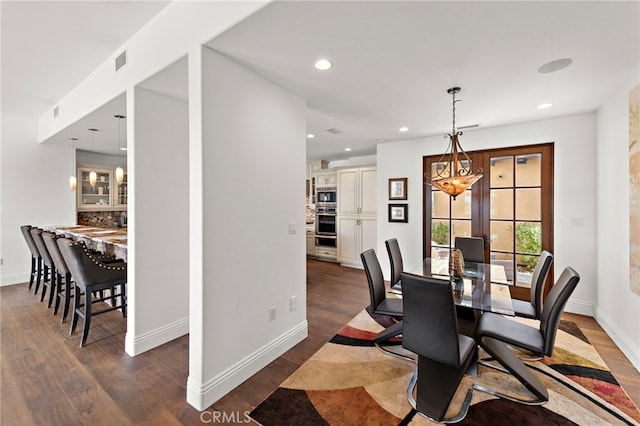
{"points": [[97, 195], [121, 195]]}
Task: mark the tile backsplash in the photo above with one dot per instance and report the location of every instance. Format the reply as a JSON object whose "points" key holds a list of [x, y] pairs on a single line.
{"points": [[102, 219]]}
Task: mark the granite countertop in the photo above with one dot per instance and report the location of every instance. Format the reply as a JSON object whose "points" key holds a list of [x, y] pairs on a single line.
{"points": [[115, 236]]}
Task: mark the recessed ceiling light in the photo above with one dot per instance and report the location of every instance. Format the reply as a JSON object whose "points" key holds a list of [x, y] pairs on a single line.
{"points": [[381, 140], [403, 129], [310, 136], [122, 148], [323, 64], [556, 65], [347, 149], [545, 106]]}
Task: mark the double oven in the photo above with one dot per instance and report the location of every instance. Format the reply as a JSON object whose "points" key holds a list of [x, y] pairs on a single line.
{"points": [[326, 230]]}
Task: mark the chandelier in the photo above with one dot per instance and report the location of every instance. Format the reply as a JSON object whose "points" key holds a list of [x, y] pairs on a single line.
{"points": [[456, 176]]}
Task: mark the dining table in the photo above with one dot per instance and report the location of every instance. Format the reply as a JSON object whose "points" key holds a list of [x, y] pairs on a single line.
{"points": [[483, 287], [111, 241]]}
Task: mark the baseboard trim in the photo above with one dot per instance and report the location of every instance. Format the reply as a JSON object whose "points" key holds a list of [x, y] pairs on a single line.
{"points": [[628, 348], [202, 396], [16, 278], [135, 345], [580, 307]]}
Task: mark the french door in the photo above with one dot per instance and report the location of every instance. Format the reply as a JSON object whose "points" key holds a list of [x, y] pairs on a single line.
{"points": [[511, 207]]}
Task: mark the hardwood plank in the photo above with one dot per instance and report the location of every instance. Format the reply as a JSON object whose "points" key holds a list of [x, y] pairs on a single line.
{"points": [[48, 379]]}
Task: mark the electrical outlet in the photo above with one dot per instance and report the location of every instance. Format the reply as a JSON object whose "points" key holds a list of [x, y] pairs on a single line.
{"points": [[272, 313], [577, 221], [1, 261], [292, 228], [292, 303]]}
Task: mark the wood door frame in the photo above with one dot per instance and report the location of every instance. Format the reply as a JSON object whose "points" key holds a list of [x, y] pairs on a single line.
{"points": [[480, 211]]}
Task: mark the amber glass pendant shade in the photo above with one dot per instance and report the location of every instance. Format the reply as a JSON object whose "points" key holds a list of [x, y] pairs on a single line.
{"points": [[73, 183], [93, 178]]}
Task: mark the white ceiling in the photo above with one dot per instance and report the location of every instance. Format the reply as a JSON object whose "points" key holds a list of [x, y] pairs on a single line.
{"points": [[393, 60]]}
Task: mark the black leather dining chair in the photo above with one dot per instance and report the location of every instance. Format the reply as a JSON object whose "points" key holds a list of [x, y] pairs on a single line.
{"points": [[380, 303], [397, 267], [430, 330], [36, 259], [494, 332], [472, 248], [91, 275], [533, 308]]}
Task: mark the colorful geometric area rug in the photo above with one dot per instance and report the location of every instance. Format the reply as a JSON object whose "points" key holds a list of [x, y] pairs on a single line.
{"points": [[351, 382]]}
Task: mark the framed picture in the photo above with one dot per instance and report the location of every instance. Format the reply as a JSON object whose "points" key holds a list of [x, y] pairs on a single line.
{"points": [[398, 189], [398, 213]]}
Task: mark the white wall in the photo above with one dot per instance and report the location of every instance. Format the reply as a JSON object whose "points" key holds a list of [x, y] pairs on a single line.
{"points": [[158, 227], [34, 190], [165, 39], [253, 153], [575, 183], [618, 308]]}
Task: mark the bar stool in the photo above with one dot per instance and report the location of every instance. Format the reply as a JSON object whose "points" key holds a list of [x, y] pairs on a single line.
{"points": [[91, 275], [48, 280], [36, 260], [63, 275]]}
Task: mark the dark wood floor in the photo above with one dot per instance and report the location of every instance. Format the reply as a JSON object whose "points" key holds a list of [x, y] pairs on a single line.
{"points": [[46, 379]]}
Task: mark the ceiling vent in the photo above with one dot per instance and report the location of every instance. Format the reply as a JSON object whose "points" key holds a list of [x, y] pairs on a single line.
{"points": [[121, 60], [334, 131], [56, 111]]}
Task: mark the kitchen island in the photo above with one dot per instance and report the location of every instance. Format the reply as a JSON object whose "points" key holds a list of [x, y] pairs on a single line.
{"points": [[108, 241]]}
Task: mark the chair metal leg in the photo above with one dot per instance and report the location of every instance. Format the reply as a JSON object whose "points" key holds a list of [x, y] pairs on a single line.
{"points": [[388, 333], [454, 419], [514, 366]]}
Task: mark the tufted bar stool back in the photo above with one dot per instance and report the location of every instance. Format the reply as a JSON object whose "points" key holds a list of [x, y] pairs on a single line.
{"points": [[91, 275]]}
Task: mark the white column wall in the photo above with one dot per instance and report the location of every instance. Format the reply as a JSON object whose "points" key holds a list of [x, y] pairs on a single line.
{"points": [[34, 190], [575, 183], [253, 168], [158, 285], [618, 308]]}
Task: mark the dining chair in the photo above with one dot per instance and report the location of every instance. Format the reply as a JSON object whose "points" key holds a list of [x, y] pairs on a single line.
{"points": [[91, 275], [397, 267], [494, 332], [380, 303], [533, 308], [472, 248], [430, 330], [36, 259]]}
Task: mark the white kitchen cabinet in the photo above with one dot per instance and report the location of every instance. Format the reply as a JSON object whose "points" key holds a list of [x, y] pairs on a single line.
{"points": [[355, 235], [311, 243], [357, 221], [326, 178], [357, 192]]}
